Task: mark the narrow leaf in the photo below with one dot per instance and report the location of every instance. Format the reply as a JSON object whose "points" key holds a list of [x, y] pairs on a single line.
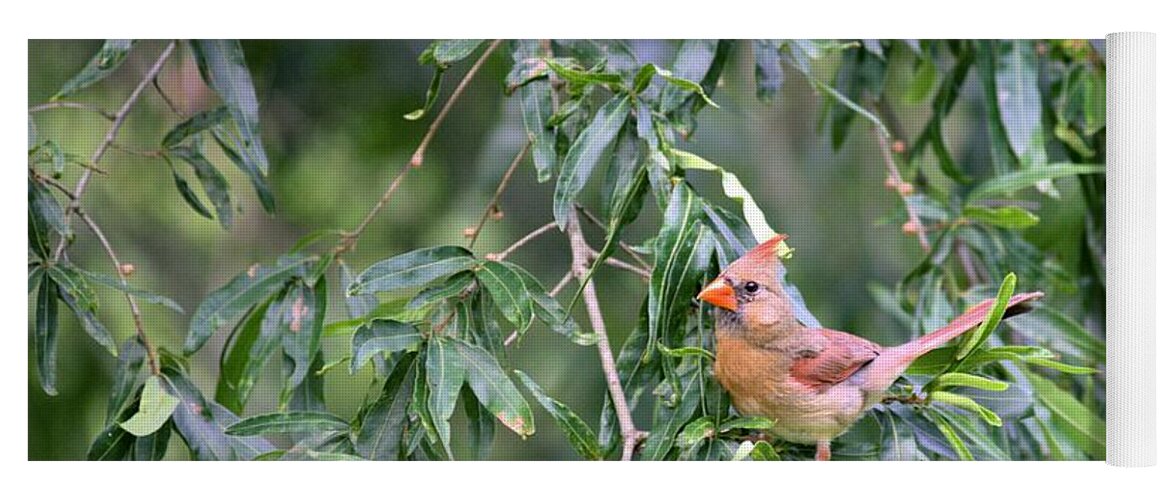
{"points": [[154, 408], [412, 269], [287, 423], [585, 154], [382, 336], [108, 58], [508, 292]]}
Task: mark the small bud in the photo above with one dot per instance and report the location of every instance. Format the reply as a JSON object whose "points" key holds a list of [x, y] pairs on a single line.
{"points": [[910, 228], [126, 270], [417, 159], [906, 189], [495, 257], [497, 214], [469, 232], [899, 146], [891, 183]]}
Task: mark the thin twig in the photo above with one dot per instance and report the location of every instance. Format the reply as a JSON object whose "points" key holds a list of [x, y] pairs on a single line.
{"points": [[621, 264], [52, 182], [905, 191], [72, 105], [621, 244], [151, 354], [521, 242], [349, 239], [111, 134], [493, 206], [552, 293], [580, 268]]}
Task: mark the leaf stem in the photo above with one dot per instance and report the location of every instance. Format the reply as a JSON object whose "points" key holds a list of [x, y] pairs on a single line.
{"points": [[622, 244], [521, 242], [350, 238], [72, 105], [580, 269], [493, 206]]}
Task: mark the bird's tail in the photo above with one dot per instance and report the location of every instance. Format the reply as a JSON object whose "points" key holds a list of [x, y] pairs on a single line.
{"points": [[893, 361]]}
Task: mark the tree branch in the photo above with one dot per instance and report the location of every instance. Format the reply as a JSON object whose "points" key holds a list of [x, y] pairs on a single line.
{"points": [[580, 268], [621, 244], [621, 264], [123, 272], [111, 134], [349, 239], [521, 242], [493, 206], [72, 105], [895, 180]]}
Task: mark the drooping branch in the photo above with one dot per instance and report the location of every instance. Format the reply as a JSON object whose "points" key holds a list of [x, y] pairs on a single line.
{"points": [[521, 242], [493, 205], [895, 181], [580, 269], [349, 239]]}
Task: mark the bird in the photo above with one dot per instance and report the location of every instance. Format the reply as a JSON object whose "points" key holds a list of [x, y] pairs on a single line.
{"points": [[815, 383]]}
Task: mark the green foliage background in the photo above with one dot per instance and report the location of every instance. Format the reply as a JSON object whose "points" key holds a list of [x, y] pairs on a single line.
{"points": [[331, 119]]}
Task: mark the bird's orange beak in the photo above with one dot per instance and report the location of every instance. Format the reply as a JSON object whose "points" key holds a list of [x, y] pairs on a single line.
{"points": [[718, 293]]}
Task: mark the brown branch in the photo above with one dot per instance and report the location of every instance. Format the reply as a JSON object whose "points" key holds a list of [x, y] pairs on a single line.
{"points": [[123, 272], [493, 206], [580, 268], [52, 182], [621, 264], [905, 190], [350, 238], [521, 242], [552, 293], [72, 105], [111, 134], [621, 244]]}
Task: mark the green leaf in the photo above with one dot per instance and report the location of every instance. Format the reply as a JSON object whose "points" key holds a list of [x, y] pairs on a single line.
{"points": [[244, 357], [582, 77], [967, 403], [301, 339], [229, 145], [245, 290], [977, 337], [198, 123], [973, 381], [643, 79], [382, 336], [113, 443], [493, 388], [694, 61], [751, 423], [763, 451], [451, 51], [154, 408], [432, 95], [126, 376], [44, 208], [108, 58], [696, 432], [221, 63], [76, 294], [682, 352], [1007, 217], [1019, 97], [550, 312], [115, 283], [32, 133], [580, 435], [508, 291], [922, 81], [288, 423], [215, 185], [898, 438], [202, 423], [682, 252], [380, 434], [628, 192], [1020, 179], [953, 439], [769, 74], [154, 446], [481, 424], [734, 190], [536, 106], [357, 306], [585, 154], [668, 420], [412, 269], [1088, 428], [445, 375], [46, 335], [189, 195]]}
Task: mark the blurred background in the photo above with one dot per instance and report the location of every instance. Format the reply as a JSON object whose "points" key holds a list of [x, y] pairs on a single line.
{"points": [[331, 116]]}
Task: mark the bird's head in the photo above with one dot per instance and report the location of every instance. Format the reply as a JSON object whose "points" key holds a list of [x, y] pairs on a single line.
{"points": [[750, 294]]}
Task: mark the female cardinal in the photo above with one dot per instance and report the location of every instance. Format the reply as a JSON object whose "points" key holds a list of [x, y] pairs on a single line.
{"points": [[814, 382]]}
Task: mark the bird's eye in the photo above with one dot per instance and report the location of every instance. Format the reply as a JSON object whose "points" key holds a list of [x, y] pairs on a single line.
{"points": [[751, 287]]}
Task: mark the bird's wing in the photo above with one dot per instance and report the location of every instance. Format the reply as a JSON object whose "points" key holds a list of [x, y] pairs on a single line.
{"points": [[842, 356]]}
